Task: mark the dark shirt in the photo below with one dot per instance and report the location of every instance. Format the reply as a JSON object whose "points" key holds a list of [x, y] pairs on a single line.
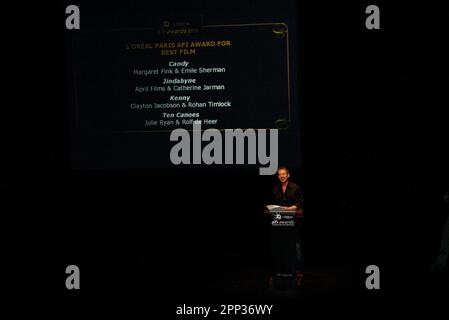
{"points": [[292, 196]]}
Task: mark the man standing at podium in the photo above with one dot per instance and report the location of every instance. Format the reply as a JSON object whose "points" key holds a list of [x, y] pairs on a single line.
{"points": [[289, 196]]}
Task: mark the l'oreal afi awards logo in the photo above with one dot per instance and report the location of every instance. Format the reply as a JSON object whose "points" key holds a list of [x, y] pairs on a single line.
{"points": [[277, 221]]}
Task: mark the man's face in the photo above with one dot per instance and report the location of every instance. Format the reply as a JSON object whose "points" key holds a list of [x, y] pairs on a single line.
{"points": [[282, 175]]}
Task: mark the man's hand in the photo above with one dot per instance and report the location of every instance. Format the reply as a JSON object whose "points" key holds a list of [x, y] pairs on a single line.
{"points": [[292, 208]]}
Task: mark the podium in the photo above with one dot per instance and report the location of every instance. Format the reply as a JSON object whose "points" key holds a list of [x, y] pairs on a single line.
{"points": [[283, 234]]}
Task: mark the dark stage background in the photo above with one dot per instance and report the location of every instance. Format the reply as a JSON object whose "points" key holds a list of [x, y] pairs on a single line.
{"points": [[373, 124]]}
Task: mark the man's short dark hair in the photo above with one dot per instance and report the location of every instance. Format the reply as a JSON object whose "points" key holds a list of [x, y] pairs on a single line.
{"points": [[284, 168]]}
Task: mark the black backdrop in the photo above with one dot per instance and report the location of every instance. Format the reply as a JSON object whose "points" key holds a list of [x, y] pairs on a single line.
{"points": [[374, 113]]}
